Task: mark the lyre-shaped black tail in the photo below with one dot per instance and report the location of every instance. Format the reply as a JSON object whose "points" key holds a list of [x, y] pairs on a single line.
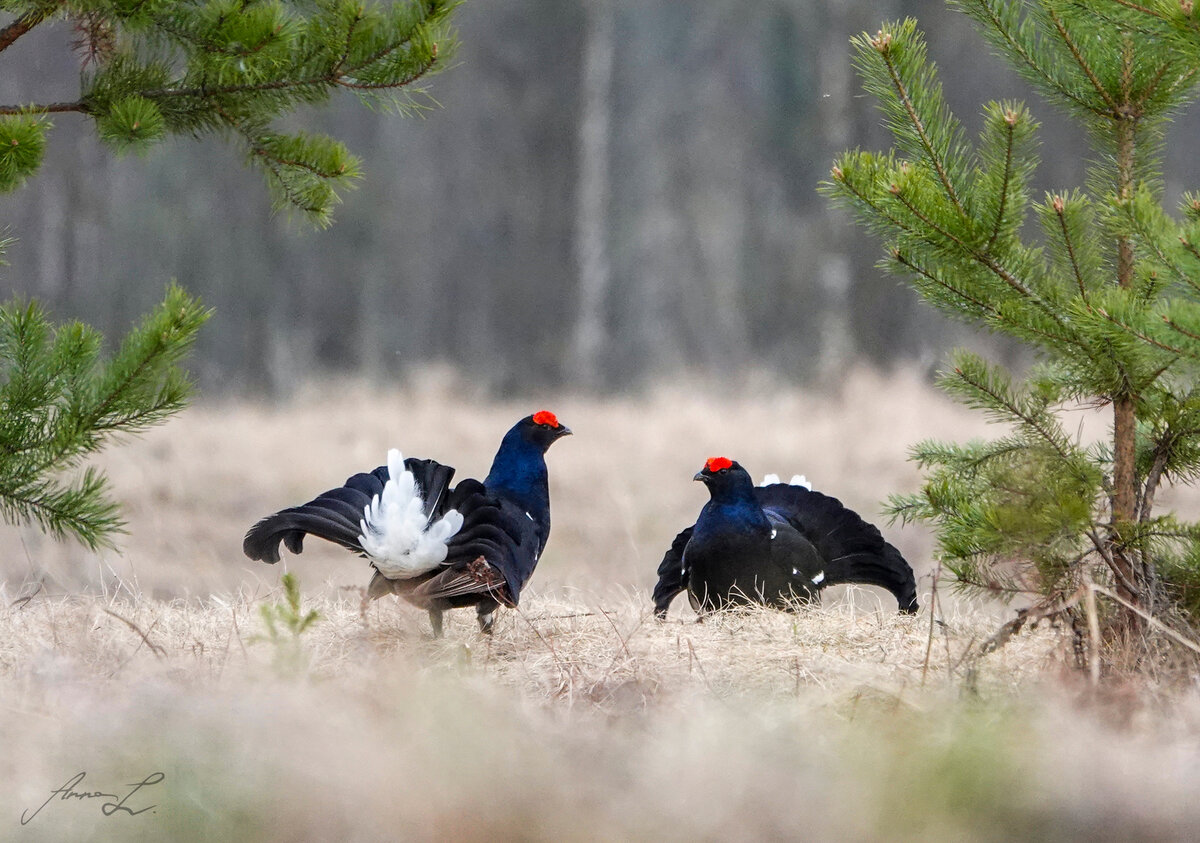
{"points": [[854, 550], [336, 515]]}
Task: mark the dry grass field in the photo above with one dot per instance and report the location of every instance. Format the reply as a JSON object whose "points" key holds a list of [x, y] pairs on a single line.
{"points": [[582, 718]]}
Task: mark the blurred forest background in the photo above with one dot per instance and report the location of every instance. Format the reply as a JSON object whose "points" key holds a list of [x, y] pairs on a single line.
{"points": [[612, 193]]}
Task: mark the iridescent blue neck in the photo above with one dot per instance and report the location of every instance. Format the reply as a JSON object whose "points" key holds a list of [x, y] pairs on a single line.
{"points": [[519, 470], [733, 504]]}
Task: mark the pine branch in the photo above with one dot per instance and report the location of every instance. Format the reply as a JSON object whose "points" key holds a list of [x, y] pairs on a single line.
{"points": [[1190, 247], [1109, 554], [338, 79], [1162, 454], [1058, 205], [1138, 7], [986, 12], [61, 405], [1179, 329], [1141, 335], [986, 310], [83, 511], [842, 182], [1005, 182], [1083, 65], [984, 259], [47, 108], [1145, 222], [233, 68], [1036, 422], [26, 22], [882, 44]]}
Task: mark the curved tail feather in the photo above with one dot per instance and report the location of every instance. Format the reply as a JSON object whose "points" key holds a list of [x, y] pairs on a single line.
{"points": [[886, 569], [672, 578], [854, 550]]}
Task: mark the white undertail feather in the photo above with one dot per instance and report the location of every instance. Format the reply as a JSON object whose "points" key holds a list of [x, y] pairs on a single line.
{"points": [[401, 541], [797, 480]]}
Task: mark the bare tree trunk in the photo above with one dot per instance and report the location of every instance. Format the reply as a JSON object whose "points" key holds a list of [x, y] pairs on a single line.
{"points": [[1130, 579], [836, 349], [592, 204]]}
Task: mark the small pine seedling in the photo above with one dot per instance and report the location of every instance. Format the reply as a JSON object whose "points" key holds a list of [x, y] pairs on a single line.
{"points": [[284, 618]]}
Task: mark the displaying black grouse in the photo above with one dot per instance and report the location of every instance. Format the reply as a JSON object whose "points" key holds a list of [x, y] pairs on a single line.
{"points": [[777, 544], [439, 547]]}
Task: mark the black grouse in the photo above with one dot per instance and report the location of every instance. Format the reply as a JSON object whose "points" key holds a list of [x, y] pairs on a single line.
{"points": [[437, 546], [778, 544]]}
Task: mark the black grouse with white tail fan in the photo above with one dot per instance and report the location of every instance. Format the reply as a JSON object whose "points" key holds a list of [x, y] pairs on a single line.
{"points": [[438, 546], [778, 544]]}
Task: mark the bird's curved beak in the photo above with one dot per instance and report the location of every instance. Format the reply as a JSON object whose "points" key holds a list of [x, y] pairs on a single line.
{"points": [[562, 431], [701, 476]]}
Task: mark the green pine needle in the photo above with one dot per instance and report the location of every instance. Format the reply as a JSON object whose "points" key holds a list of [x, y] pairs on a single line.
{"points": [[22, 146], [61, 402]]}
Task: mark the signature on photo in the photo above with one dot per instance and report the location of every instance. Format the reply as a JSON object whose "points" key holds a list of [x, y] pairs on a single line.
{"points": [[72, 791]]}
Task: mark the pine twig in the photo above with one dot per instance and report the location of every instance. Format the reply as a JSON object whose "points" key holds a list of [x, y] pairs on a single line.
{"points": [[26, 22], [1056, 605]]}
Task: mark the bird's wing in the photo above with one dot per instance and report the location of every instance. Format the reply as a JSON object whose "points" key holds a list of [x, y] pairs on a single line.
{"points": [[336, 515], [793, 553], [475, 577], [494, 552], [672, 576], [852, 550]]}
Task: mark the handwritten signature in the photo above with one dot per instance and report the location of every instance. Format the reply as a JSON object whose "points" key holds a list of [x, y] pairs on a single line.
{"points": [[115, 805]]}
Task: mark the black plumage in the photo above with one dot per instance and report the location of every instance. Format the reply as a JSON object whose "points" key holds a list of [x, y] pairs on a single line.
{"points": [[505, 525], [778, 545]]}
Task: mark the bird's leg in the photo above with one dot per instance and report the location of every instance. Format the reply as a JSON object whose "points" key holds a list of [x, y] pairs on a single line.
{"points": [[435, 618], [379, 586], [486, 612]]}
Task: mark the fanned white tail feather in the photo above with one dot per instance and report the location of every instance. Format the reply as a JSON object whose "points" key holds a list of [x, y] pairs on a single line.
{"points": [[797, 480], [401, 541]]}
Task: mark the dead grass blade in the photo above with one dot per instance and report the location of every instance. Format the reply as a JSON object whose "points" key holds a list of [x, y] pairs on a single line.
{"points": [[158, 651], [1150, 619]]}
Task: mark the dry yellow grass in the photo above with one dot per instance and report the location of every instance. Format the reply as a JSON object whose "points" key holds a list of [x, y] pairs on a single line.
{"points": [[582, 718], [569, 723]]}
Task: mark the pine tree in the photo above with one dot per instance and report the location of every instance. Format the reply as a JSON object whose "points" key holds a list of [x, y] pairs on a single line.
{"points": [[1105, 287], [149, 69]]}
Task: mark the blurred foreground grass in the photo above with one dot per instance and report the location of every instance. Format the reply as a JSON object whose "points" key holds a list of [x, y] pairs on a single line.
{"points": [[576, 721]]}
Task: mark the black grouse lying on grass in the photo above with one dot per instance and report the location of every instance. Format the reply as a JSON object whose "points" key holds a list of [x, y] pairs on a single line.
{"points": [[777, 544], [439, 547]]}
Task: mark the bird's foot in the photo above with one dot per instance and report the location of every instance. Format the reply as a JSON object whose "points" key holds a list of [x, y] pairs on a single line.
{"points": [[435, 620]]}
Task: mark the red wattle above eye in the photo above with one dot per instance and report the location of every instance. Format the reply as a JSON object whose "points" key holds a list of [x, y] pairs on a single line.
{"points": [[545, 417]]}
